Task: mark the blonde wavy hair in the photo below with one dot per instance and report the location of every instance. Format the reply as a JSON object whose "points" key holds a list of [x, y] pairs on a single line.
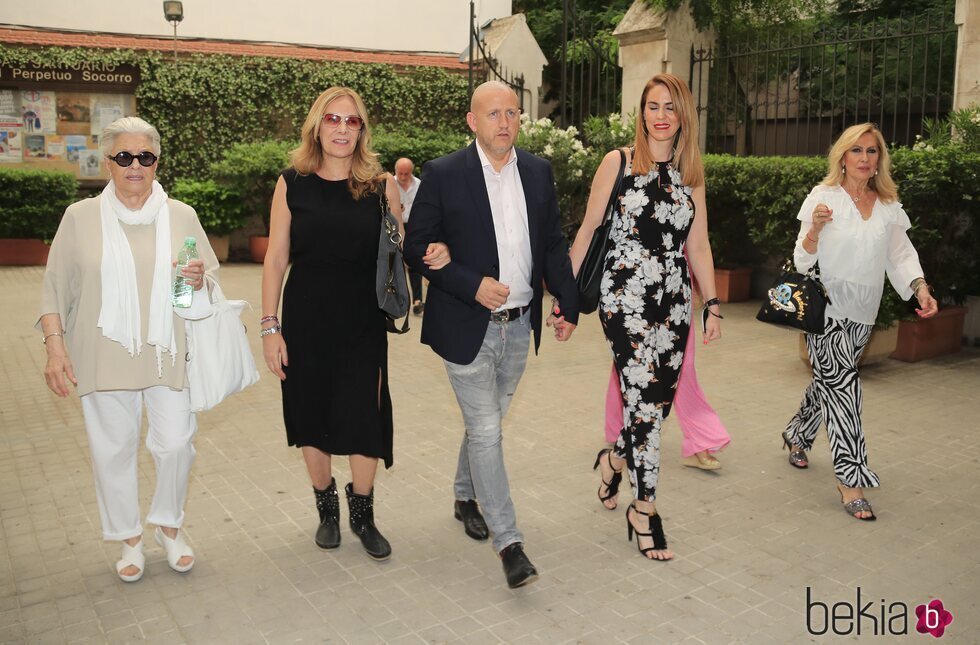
{"points": [[687, 155], [366, 172], [882, 183]]}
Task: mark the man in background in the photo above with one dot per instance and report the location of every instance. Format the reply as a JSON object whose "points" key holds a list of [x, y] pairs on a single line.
{"points": [[408, 184]]}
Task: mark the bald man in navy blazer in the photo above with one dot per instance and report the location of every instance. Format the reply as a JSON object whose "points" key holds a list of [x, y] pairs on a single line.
{"points": [[496, 209]]}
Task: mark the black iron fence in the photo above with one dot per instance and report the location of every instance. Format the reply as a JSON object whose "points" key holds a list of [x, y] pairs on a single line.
{"points": [[793, 92], [590, 75], [484, 67]]}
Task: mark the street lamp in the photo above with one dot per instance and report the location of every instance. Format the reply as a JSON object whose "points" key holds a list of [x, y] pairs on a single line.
{"points": [[174, 12]]}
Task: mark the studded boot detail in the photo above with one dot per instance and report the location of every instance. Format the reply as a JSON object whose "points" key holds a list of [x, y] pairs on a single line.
{"points": [[361, 509], [328, 506]]}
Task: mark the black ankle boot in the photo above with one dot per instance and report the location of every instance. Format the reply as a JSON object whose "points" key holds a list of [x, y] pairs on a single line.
{"points": [[361, 509], [328, 505]]}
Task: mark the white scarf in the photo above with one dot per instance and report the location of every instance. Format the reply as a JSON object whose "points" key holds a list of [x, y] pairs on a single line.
{"points": [[120, 314]]}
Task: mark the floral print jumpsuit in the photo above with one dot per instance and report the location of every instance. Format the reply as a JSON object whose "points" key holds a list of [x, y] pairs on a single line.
{"points": [[645, 305]]}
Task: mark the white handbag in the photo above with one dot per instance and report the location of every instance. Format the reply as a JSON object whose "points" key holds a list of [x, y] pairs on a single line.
{"points": [[219, 359]]}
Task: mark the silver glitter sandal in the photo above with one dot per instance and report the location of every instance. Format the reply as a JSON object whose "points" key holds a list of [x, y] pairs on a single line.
{"points": [[797, 458], [856, 506]]}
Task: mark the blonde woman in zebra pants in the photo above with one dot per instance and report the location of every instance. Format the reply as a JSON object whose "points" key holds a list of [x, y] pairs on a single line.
{"points": [[853, 226]]}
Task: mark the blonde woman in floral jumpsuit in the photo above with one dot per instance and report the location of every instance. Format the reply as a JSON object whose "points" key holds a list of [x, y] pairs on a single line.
{"points": [[645, 294]]}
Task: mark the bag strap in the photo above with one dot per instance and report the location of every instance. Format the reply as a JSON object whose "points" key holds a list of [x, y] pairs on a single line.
{"points": [[393, 327], [611, 204]]}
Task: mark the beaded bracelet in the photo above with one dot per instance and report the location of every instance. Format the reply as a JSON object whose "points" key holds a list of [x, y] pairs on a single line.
{"points": [[269, 318]]}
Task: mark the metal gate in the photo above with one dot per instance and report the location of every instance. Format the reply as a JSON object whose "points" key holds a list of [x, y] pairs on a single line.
{"points": [[484, 67], [590, 75], [792, 92]]}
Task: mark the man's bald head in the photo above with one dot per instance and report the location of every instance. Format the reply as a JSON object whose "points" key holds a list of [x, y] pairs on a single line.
{"points": [[403, 172], [486, 89]]}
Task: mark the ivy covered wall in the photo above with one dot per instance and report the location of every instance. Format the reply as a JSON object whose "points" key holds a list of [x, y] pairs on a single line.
{"points": [[205, 103]]}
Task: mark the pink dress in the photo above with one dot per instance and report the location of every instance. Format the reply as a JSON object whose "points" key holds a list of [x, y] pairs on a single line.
{"points": [[700, 425]]}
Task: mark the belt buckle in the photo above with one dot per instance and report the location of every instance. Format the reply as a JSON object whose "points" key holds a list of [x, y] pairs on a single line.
{"points": [[499, 317]]}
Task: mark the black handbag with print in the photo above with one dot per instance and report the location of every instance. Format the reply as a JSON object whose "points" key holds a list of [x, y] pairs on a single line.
{"points": [[796, 300]]}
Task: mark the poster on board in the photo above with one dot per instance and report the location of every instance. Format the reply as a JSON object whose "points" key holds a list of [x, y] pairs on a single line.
{"points": [[106, 108], [10, 144], [89, 162], [74, 143], [34, 146], [38, 111], [74, 113]]}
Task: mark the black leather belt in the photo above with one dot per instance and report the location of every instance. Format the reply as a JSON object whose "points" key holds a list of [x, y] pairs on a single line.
{"points": [[507, 315]]}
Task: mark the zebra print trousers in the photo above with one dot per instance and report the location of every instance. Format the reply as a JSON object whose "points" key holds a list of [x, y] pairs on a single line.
{"points": [[834, 397]]}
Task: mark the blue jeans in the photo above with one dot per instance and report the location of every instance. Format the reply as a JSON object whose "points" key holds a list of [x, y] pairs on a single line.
{"points": [[484, 390]]}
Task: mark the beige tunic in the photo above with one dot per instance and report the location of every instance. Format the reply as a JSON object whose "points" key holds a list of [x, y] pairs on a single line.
{"points": [[73, 289]]}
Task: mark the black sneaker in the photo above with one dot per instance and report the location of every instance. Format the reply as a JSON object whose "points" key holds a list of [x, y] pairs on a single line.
{"points": [[418, 308]]}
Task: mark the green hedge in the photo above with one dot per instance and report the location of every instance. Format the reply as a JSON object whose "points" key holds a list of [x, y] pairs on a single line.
{"points": [[33, 202], [205, 104], [418, 144], [219, 208]]}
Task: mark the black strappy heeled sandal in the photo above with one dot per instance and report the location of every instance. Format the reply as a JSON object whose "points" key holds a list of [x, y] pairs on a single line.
{"points": [[612, 486], [656, 526]]}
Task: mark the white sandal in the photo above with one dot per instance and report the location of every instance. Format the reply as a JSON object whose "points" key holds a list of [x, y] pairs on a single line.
{"points": [[132, 556], [176, 549]]}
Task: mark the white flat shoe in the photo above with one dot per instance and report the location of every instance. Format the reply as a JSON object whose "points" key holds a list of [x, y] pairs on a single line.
{"points": [[132, 556], [176, 549]]}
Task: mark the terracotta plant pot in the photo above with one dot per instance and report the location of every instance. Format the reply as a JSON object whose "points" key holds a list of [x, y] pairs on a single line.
{"points": [[930, 337], [733, 285], [16, 252], [257, 246], [219, 244], [879, 347]]}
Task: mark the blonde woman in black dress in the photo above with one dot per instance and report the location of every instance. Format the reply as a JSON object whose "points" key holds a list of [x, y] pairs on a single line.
{"points": [[645, 293], [326, 219]]}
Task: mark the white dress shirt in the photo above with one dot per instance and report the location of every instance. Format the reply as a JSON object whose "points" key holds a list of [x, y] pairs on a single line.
{"points": [[855, 254], [509, 210], [407, 196]]}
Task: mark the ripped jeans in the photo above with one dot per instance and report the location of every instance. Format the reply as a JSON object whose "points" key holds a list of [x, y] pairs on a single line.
{"points": [[484, 390]]}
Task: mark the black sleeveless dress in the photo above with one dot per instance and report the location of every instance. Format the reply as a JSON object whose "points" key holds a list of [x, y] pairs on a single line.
{"points": [[335, 334]]}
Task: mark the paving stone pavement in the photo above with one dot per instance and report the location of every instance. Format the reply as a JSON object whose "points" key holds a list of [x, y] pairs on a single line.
{"points": [[750, 538]]}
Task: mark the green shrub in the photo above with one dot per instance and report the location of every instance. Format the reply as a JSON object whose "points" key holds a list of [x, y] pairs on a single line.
{"points": [[34, 201], [418, 144], [960, 128], [219, 208], [940, 191], [251, 170], [752, 205], [572, 163]]}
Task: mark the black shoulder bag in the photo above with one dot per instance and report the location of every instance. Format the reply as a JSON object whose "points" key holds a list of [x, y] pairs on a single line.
{"points": [[590, 273], [390, 284]]}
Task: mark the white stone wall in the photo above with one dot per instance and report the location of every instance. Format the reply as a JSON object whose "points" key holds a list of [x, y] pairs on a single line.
{"points": [[396, 25], [967, 84]]}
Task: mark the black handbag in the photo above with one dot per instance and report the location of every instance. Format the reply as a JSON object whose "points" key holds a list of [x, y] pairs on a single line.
{"points": [[796, 300], [590, 273], [391, 284]]}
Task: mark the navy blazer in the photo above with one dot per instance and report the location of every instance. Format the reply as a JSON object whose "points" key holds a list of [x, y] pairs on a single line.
{"points": [[452, 206]]}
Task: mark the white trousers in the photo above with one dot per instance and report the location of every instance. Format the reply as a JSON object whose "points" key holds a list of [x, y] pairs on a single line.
{"points": [[113, 422]]}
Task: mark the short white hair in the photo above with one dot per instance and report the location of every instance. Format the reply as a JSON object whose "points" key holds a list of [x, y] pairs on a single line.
{"points": [[129, 125]]}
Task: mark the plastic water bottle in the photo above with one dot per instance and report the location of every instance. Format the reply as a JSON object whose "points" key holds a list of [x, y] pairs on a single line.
{"points": [[183, 292]]}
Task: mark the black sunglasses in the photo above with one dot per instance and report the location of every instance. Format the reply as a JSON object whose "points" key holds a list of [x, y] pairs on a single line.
{"points": [[125, 159]]}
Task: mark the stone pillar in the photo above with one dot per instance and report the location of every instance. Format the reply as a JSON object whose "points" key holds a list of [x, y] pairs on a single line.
{"points": [[653, 41], [966, 84]]}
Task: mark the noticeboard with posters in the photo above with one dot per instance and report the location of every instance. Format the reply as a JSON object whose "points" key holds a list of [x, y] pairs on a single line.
{"points": [[52, 117]]}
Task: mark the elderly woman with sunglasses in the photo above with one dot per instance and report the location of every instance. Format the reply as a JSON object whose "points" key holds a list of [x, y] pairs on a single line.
{"points": [[110, 329]]}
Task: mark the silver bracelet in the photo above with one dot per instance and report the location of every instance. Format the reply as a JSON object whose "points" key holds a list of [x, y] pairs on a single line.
{"points": [[275, 329]]}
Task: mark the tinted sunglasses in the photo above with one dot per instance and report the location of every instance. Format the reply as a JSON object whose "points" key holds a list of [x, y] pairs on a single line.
{"points": [[353, 121], [125, 159]]}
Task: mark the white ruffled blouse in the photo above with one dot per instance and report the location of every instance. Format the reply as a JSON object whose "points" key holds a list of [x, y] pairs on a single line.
{"points": [[855, 254]]}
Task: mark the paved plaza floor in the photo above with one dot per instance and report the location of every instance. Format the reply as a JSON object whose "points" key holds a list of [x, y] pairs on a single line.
{"points": [[751, 539]]}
